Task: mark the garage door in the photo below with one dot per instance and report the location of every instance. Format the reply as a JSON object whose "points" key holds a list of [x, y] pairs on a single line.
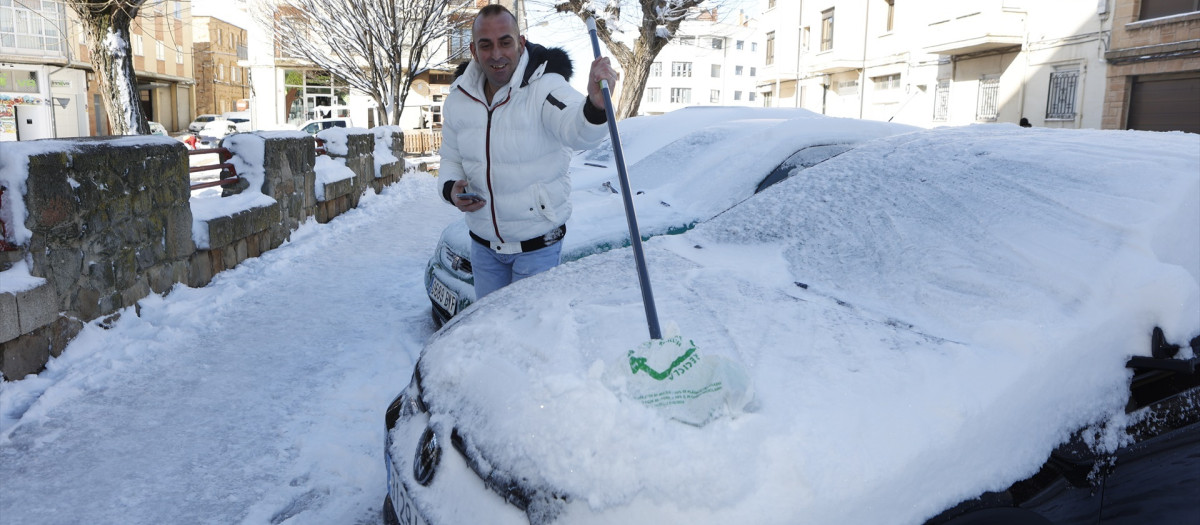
{"points": [[1165, 103]]}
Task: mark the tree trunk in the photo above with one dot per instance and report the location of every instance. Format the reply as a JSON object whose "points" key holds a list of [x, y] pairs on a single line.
{"points": [[633, 81], [112, 61]]}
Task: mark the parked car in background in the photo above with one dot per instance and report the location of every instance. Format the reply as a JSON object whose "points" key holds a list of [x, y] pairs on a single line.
{"points": [[211, 134], [922, 319], [240, 118], [313, 126], [670, 158], [158, 129], [200, 121]]}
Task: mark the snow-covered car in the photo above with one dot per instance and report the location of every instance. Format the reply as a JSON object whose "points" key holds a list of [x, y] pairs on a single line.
{"points": [[198, 124], [920, 320], [211, 134], [673, 160]]}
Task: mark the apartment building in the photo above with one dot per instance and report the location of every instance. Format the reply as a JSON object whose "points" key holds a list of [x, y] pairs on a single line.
{"points": [[939, 62], [710, 62], [1153, 63], [46, 78], [222, 84]]}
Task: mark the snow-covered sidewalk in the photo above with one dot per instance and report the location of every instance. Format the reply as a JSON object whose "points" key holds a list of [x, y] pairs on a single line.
{"points": [[257, 399]]}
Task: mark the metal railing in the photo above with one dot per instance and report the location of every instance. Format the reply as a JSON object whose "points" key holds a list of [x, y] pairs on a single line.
{"points": [[228, 175]]}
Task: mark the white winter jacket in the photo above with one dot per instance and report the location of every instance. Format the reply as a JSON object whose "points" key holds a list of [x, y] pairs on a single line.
{"points": [[515, 153]]}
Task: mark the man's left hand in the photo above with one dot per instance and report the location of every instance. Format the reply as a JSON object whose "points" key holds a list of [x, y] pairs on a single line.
{"points": [[601, 70]]}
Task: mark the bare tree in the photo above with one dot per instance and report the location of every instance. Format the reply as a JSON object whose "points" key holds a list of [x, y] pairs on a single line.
{"points": [[654, 22], [376, 46], [106, 29]]}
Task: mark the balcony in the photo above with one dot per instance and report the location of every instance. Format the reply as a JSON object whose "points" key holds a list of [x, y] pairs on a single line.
{"points": [[972, 27]]}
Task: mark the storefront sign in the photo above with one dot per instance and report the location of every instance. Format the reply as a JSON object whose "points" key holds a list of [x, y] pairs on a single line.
{"points": [[18, 81]]}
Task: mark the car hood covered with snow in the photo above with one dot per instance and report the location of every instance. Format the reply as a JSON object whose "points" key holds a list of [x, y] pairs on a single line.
{"points": [[922, 318]]}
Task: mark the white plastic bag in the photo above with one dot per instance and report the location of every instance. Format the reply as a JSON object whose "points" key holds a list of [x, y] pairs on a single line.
{"points": [[685, 384]]}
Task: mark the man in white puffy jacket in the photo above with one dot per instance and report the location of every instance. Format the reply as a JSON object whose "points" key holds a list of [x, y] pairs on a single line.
{"points": [[511, 124]]}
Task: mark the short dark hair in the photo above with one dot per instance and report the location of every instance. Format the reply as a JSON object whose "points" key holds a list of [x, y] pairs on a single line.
{"points": [[498, 9]]}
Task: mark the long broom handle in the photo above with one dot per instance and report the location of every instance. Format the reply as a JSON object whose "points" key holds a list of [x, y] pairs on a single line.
{"points": [[635, 238]]}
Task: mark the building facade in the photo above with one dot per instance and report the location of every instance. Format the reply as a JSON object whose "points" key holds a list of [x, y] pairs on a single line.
{"points": [[46, 78], [42, 81], [1154, 66], [222, 84], [708, 63], [940, 62]]}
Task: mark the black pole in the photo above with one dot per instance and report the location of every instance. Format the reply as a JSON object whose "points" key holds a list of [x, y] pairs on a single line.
{"points": [[635, 238]]}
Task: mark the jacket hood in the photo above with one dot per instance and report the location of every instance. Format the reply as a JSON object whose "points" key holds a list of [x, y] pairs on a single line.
{"points": [[556, 60]]}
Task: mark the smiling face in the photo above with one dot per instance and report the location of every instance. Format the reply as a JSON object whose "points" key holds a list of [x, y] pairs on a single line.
{"points": [[497, 47]]}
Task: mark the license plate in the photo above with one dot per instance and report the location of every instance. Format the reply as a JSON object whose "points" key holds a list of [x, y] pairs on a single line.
{"points": [[442, 295], [406, 511]]}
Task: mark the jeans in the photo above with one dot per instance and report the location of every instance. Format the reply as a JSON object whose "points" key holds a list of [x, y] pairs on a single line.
{"points": [[494, 271]]}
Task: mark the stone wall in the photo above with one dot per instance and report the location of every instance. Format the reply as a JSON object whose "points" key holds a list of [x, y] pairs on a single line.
{"points": [[111, 223], [109, 226]]}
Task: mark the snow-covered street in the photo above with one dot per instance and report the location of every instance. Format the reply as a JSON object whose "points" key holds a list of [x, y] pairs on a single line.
{"points": [[257, 399]]}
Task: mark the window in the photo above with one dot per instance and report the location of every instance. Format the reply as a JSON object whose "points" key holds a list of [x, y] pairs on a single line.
{"points": [[1161, 8], [681, 95], [753, 47], [32, 27], [737, 95], [891, 12], [750, 96], [716, 70], [741, 44], [137, 45], [989, 98], [681, 69], [460, 42], [221, 72], [687, 40], [160, 51], [1060, 102], [178, 9], [770, 48], [737, 71], [886, 83], [848, 87], [653, 94], [718, 43], [941, 101], [753, 71], [656, 69], [233, 74], [714, 96], [178, 54], [770, 4], [827, 30]]}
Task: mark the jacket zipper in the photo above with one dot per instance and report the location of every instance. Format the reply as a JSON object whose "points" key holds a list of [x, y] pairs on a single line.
{"points": [[487, 153]]}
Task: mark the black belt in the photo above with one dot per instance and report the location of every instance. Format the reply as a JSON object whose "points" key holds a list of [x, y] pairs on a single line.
{"points": [[529, 245]]}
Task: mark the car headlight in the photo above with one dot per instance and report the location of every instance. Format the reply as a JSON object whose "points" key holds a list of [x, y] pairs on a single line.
{"points": [[429, 453]]}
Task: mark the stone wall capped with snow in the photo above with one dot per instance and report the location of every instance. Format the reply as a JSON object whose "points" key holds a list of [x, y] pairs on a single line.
{"points": [[112, 220]]}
